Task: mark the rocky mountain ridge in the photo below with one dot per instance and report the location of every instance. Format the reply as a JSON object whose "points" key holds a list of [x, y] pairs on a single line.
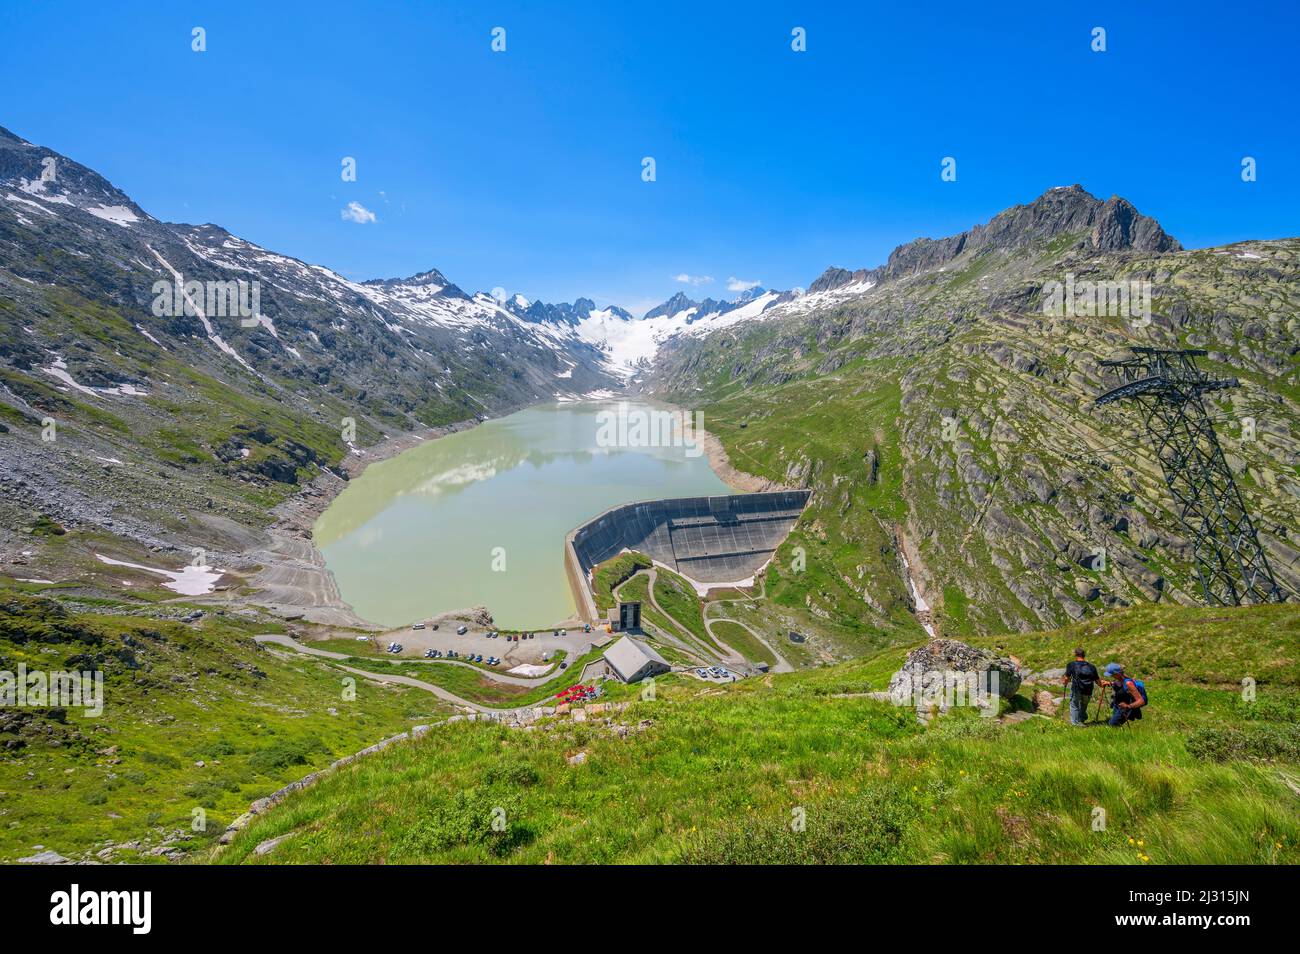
{"points": [[943, 414], [1091, 224]]}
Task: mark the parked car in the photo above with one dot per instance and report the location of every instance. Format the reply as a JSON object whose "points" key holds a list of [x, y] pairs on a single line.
{"points": [[462, 630], [417, 626]]}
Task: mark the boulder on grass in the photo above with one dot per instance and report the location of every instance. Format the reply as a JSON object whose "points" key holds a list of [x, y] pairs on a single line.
{"points": [[1046, 703], [951, 662]]}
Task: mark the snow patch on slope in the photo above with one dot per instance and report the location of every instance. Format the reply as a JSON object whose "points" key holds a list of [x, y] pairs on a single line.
{"points": [[215, 338], [59, 371], [117, 214], [187, 581]]}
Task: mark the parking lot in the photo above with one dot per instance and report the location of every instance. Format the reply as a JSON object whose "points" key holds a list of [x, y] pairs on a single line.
{"points": [[538, 649], [714, 674]]}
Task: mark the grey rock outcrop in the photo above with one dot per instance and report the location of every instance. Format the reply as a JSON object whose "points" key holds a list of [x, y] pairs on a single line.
{"points": [[928, 666]]}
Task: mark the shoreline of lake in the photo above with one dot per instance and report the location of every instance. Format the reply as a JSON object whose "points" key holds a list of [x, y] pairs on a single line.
{"points": [[293, 567], [478, 518]]}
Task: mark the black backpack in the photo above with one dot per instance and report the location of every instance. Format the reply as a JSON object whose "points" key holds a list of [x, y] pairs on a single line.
{"points": [[1085, 677]]}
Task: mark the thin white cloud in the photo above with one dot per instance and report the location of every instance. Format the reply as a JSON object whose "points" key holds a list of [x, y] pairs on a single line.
{"points": [[356, 212], [693, 279], [740, 284]]}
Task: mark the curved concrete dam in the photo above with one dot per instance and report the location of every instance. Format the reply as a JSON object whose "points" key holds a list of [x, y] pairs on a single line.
{"points": [[709, 540]]}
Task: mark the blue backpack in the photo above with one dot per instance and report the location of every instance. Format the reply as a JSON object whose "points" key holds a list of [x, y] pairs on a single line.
{"points": [[1142, 688]]}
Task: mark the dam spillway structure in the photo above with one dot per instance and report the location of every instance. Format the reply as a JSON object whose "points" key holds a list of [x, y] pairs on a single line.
{"points": [[709, 540]]}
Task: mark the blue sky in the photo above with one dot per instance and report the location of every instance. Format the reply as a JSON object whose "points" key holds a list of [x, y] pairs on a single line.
{"points": [[522, 169]]}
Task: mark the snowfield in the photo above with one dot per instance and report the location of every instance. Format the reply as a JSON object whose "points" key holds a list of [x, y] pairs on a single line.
{"points": [[187, 581], [631, 343]]}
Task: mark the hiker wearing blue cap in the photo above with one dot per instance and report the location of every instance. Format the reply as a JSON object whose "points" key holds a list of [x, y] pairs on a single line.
{"points": [[1128, 696]]}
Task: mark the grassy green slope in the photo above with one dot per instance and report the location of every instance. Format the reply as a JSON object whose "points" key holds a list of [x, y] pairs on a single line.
{"points": [[739, 639], [612, 573], [175, 695], [719, 774], [678, 599], [837, 571]]}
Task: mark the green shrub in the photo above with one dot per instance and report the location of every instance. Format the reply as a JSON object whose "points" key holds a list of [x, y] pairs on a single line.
{"points": [[212, 749], [954, 726], [207, 791], [283, 754], [1271, 708], [1255, 742], [514, 773], [469, 818], [160, 758], [865, 829], [45, 526]]}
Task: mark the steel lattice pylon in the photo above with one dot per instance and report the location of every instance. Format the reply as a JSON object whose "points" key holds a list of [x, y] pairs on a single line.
{"points": [[1168, 387]]}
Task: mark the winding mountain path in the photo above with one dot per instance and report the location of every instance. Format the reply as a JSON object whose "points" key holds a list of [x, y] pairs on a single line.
{"points": [[530, 682], [690, 644], [438, 691], [781, 664]]}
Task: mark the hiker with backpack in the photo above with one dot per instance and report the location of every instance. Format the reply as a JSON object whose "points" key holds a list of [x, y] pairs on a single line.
{"points": [[1128, 696], [1081, 676]]}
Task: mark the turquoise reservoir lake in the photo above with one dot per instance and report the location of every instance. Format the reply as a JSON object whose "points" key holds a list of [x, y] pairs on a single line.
{"points": [[478, 518]]}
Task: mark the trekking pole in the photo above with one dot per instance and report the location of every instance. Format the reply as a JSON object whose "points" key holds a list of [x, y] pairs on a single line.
{"points": [[1100, 698]]}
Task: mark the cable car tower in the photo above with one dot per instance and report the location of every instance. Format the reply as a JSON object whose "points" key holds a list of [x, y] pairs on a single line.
{"points": [[1167, 387]]}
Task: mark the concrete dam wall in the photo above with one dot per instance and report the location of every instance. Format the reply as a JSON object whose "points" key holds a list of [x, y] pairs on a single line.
{"points": [[720, 539]]}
